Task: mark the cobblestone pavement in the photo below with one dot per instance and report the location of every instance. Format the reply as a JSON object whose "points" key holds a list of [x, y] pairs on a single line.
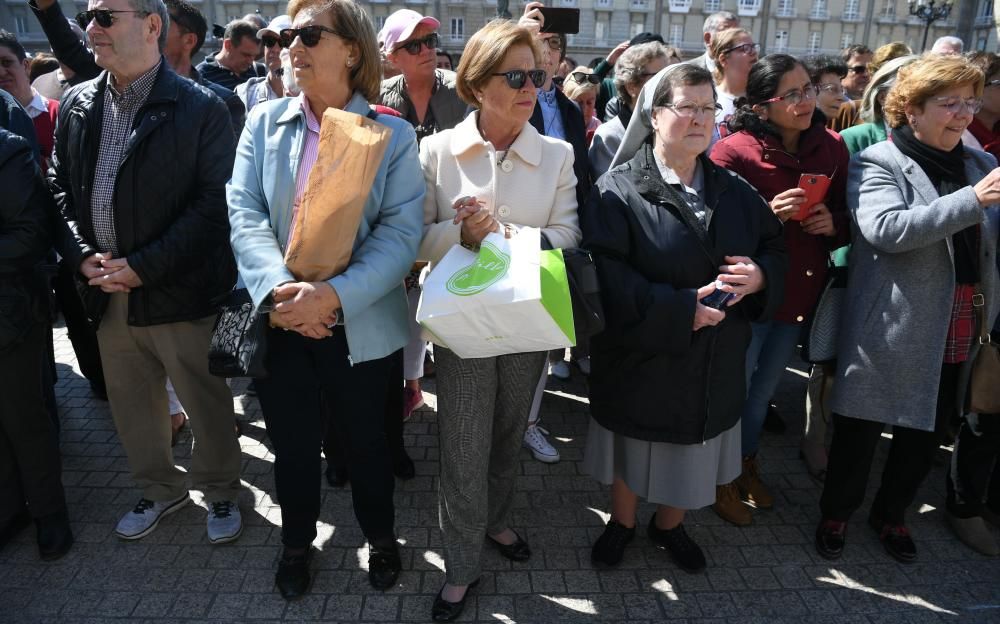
{"points": [[768, 572]]}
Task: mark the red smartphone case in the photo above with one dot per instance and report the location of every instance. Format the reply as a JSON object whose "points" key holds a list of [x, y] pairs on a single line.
{"points": [[815, 185]]}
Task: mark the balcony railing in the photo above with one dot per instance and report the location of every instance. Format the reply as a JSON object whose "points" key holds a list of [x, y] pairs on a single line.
{"points": [[603, 4], [886, 17], [711, 6], [638, 5], [568, 3], [985, 20], [851, 16], [819, 14], [748, 8], [680, 6], [785, 11]]}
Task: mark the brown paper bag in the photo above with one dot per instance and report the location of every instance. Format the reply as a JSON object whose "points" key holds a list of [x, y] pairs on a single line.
{"points": [[351, 148]]}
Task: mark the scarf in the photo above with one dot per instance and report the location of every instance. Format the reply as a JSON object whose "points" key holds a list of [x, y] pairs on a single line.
{"points": [[946, 171]]}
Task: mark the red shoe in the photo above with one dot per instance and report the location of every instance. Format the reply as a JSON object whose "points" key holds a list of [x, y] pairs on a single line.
{"points": [[412, 400]]}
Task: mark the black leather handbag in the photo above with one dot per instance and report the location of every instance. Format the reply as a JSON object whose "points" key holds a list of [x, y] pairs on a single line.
{"points": [[584, 290], [239, 340]]}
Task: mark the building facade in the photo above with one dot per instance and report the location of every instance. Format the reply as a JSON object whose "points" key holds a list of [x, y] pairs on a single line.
{"points": [[798, 27]]}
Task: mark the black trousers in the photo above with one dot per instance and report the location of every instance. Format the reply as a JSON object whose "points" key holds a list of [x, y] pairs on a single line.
{"points": [[303, 371], [974, 474], [30, 466], [333, 445], [82, 334], [911, 455]]}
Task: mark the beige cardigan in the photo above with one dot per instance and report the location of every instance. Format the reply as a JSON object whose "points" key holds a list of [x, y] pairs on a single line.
{"points": [[537, 188]]}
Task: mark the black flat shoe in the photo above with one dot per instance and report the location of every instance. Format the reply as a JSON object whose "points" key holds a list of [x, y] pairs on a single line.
{"points": [[383, 564], [444, 611], [293, 578], [55, 537], [682, 549], [337, 476], [895, 539], [518, 551], [610, 546], [830, 540]]}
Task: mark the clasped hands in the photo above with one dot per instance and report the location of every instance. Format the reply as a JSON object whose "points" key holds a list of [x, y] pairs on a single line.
{"points": [[741, 277], [305, 307], [110, 274], [819, 222], [477, 220]]}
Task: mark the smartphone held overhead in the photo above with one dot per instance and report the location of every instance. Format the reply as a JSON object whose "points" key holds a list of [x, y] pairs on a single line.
{"points": [[560, 20]]}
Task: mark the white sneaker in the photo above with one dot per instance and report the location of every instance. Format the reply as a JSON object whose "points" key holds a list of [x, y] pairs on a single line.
{"points": [[534, 441], [142, 520], [559, 370], [584, 365], [224, 522]]}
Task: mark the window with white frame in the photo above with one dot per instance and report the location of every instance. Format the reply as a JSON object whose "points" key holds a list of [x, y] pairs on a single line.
{"points": [[748, 8], [818, 10], [815, 39], [985, 8], [603, 4], [21, 24], [378, 21], [786, 8], [680, 6], [457, 28], [601, 29], [638, 25], [889, 8], [676, 34], [781, 40], [846, 40], [852, 9], [713, 6]]}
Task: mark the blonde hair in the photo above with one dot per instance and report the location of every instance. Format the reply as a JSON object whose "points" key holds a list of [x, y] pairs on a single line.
{"points": [[886, 53], [573, 89], [352, 24], [721, 43], [923, 79], [484, 52]]}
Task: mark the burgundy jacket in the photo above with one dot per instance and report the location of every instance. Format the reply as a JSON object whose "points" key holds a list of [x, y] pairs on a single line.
{"points": [[765, 164]]}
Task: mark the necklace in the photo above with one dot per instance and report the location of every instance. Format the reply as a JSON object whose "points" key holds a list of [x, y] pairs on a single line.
{"points": [[503, 157]]}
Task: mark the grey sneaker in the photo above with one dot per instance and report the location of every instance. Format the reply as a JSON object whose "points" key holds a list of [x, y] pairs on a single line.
{"points": [[224, 522], [142, 520]]}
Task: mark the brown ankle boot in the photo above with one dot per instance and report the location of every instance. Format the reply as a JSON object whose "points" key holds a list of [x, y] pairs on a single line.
{"points": [[752, 490], [729, 506]]}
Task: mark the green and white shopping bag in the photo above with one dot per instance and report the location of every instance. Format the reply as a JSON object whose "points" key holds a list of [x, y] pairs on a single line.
{"points": [[510, 297]]}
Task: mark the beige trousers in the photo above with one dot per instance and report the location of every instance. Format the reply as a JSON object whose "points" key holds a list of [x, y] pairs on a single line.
{"points": [[137, 362]]}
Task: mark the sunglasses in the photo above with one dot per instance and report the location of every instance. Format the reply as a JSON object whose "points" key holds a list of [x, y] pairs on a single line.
{"points": [[858, 69], [269, 41], [582, 77], [310, 35], [745, 48], [413, 46], [517, 77], [993, 83], [104, 17]]}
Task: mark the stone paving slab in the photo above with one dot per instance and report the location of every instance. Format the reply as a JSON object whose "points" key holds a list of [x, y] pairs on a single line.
{"points": [[768, 572]]}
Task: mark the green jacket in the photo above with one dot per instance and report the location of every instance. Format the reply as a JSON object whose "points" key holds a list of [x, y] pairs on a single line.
{"points": [[859, 137]]}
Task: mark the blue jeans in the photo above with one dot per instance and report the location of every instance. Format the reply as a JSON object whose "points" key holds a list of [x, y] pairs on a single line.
{"points": [[770, 349]]}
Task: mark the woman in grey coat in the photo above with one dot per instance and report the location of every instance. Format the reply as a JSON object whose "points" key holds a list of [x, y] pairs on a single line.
{"points": [[925, 233]]}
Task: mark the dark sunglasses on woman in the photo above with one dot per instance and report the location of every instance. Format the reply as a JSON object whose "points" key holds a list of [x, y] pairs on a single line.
{"points": [[104, 17], [582, 77], [270, 41], [310, 35], [413, 45], [517, 77]]}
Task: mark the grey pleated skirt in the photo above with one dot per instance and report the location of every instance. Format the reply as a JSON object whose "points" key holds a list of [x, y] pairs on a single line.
{"points": [[676, 475]]}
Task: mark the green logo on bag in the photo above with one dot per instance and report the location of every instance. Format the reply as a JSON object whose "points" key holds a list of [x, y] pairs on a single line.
{"points": [[491, 264]]}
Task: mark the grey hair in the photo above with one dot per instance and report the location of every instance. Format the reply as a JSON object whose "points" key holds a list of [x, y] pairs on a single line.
{"points": [[950, 41], [881, 82], [631, 63], [716, 21], [154, 7]]}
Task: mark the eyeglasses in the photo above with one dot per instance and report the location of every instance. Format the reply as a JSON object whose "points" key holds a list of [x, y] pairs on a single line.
{"points": [[413, 46], [270, 42], [831, 87], [310, 35], [517, 77], [858, 69], [993, 83], [954, 105], [582, 77], [554, 43], [104, 17], [796, 97], [692, 109], [745, 48]]}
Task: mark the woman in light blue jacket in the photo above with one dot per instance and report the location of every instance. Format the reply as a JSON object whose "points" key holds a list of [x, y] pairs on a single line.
{"points": [[333, 338]]}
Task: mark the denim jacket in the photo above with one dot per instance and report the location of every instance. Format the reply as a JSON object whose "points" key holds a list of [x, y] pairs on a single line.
{"points": [[261, 195]]}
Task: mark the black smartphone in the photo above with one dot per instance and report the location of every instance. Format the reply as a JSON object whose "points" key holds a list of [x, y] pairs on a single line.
{"points": [[560, 20], [718, 298]]}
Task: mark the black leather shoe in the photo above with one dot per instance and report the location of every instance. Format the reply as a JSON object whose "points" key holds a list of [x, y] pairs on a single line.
{"points": [[337, 476], [773, 423], [610, 546], [55, 538], [383, 564], [402, 467], [444, 611], [293, 578], [682, 549], [14, 526], [518, 551], [830, 538], [895, 539]]}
